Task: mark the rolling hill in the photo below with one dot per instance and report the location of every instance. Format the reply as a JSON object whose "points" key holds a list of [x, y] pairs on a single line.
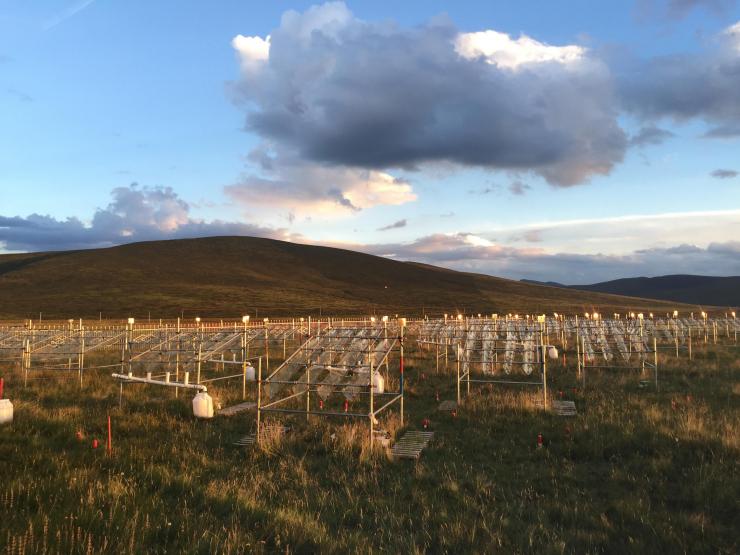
{"points": [[706, 290], [229, 276], [690, 289]]}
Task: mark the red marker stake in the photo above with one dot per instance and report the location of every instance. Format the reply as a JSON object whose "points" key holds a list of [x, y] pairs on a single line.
{"points": [[95, 444], [110, 438], [540, 441]]}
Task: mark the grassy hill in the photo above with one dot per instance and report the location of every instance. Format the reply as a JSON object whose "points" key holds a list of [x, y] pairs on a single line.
{"points": [[709, 290], [228, 276]]}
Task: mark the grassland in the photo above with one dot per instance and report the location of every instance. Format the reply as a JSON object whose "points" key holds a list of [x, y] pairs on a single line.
{"points": [[636, 471], [220, 276]]}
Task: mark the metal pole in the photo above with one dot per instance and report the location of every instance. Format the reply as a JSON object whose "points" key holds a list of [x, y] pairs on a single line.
{"points": [[81, 358], [544, 374], [372, 406], [197, 379], [690, 354], [259, 398], [177, 360], [308, 389], [458, 374], [675, 335], [655, 351], [244, 378], [400, 367]]}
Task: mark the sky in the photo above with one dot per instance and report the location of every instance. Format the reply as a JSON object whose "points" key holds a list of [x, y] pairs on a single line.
{"points": [[558, 141]]}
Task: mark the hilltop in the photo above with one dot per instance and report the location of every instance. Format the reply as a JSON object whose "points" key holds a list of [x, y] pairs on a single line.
{"points": [[228, 276]]}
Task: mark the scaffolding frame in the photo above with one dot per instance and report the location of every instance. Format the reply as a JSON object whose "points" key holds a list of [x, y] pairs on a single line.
{"points": [[344, 359]]}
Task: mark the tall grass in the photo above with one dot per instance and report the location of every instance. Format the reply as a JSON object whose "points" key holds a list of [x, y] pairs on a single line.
{"points": [[635, 471]]}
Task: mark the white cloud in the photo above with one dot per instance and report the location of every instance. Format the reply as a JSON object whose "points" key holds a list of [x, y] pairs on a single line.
{"points": [[501, 50], [252, 51], [307, 189]]}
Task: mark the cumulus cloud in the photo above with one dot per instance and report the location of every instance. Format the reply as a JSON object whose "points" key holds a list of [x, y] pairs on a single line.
{"points": [[700, 85], [135, 214], [395, 225], [334, 90], [724, 174]]}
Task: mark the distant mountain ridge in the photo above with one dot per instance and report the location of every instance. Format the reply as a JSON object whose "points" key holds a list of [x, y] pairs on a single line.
{"points": [[682, 288]]}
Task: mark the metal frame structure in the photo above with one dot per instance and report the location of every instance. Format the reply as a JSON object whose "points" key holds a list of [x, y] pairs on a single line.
{"points": [[342, 359], [478, 343]]}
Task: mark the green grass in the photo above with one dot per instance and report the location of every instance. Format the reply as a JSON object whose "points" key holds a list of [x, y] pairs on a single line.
{"points": [[636, 471]]}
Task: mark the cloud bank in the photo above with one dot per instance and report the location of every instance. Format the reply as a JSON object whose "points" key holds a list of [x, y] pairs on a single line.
{"points": [[466, 252], [135, 214]]}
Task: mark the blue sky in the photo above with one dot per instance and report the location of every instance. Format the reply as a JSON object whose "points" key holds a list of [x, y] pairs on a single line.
{"points": [[550, 140]]}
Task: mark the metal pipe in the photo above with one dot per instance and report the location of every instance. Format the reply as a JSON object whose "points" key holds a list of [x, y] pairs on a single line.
{"points": [[127, 378]]}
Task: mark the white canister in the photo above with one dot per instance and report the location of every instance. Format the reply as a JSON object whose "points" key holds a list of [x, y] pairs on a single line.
{"points": [[203, 405], [6, 411]]}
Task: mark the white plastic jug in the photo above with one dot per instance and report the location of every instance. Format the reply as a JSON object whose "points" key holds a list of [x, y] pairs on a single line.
{"points": [[378, 383], [6, 411], [552, 352], [251, 376], [203, 405]]}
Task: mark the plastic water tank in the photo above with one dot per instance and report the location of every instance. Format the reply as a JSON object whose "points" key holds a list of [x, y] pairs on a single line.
{"points": [[378, 383], [552, 352], [251, 375], [6, 411], [203, 405]]}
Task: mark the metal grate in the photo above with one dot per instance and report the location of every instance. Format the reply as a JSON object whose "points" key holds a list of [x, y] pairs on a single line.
{"points": [[411, 444], [268, 429], [564, 408]]}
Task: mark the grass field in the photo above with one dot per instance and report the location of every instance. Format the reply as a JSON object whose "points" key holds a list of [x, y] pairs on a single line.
{"points": [[636, 471]]}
